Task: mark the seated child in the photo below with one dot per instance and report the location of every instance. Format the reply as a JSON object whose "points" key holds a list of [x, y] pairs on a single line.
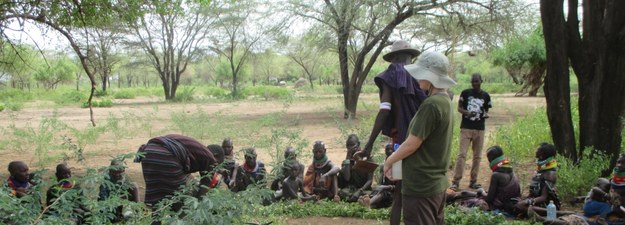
{"points": [[290, 159], [230, 163], [19, 180], [353, 183], [321, 177], [65, 183], [119, 184], [251, 172], [292, 184], [382, 195]]}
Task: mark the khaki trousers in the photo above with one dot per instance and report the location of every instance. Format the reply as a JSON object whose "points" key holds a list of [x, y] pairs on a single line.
{"points": [[476, 139]]}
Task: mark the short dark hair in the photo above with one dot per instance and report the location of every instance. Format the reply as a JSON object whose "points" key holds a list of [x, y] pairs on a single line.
{"points": [[218, 152], [493, 152], [353, 139], [13, 164], [319, 144], [547, 149]]}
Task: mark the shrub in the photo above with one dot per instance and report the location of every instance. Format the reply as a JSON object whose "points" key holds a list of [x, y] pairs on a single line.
{"points": [[1, 107], [124, 94], [460, 216], [185, 94], [104, 103], [576, 179], [13, 105], [100, 93], [216, 92], [70, 96]]}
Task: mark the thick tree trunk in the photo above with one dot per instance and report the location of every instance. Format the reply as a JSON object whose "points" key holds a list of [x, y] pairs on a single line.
{"points": [[557, 90], [606, 42]]}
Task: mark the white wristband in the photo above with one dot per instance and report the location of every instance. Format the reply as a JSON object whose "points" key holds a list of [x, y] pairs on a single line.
{"points": [[385, 105]]}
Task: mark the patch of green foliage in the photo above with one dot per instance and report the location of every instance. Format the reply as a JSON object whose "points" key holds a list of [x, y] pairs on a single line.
{"points": [[185, 94], [1, 107], [575, 179], [470, 216], [14, 99], [70, 96], [103, 103], [124, 94], [324, 209], [215, 92], [100, 93]]}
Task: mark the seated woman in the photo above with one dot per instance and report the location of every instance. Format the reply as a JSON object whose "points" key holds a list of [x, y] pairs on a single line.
{"points": [[353, 183], [117, 183], [290, 159], [543, 184], [504, 188], [251, 172], [321, 177], [503, 191]]}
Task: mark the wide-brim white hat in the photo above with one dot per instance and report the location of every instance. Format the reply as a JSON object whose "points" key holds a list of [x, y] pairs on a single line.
{"points": [[433, 67], [400, 46]]}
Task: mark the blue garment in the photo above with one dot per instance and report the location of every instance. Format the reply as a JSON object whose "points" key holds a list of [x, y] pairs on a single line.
{"points": [[593, 208], [407, 96]]}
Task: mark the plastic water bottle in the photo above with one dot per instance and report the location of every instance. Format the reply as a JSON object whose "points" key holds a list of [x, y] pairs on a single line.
{"points": [[551, 211], [396, 169]]}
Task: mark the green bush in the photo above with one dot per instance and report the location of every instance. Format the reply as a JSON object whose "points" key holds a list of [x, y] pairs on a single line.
{"points": [[15, 95], [13, 105], [70, 96], [104, 103], [185, 94], [1, 107], [324, 209], [575, 180], [461, 216], [216, 92], [100, 93], [124, 94]]}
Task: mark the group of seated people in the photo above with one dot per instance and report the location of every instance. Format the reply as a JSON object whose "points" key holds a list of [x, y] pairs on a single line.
{"points": [[604, 203], [116, 183], [352, 182]]}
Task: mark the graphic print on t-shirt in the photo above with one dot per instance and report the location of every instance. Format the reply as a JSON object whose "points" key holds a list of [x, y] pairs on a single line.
{"points": [[475, 105]]}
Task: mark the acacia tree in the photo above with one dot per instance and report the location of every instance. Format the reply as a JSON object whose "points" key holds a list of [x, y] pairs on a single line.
{"points": [[172, 34], [524, 59], [68, 18], [308, 55], [361, 30], [17, 63], [104, 41], [240, 29], [595, 52]]}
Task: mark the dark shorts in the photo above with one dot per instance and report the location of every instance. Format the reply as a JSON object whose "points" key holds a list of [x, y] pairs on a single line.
{"points": [[430, 210]]}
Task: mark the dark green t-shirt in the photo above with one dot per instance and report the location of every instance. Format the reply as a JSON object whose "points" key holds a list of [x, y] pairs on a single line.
{"points": [[425, 171]]}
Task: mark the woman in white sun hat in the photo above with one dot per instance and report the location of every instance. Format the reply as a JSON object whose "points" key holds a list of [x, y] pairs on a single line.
{"points": [[425, 154]]}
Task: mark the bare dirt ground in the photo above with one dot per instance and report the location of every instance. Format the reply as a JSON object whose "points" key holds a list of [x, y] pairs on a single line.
{"points": [[316, 120]]}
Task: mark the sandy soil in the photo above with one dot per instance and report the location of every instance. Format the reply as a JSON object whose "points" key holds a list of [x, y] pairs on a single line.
{"points": [[316, 118]]}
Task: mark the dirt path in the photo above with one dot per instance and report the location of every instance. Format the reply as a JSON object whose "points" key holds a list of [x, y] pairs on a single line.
{"points": [[316, 118]]}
